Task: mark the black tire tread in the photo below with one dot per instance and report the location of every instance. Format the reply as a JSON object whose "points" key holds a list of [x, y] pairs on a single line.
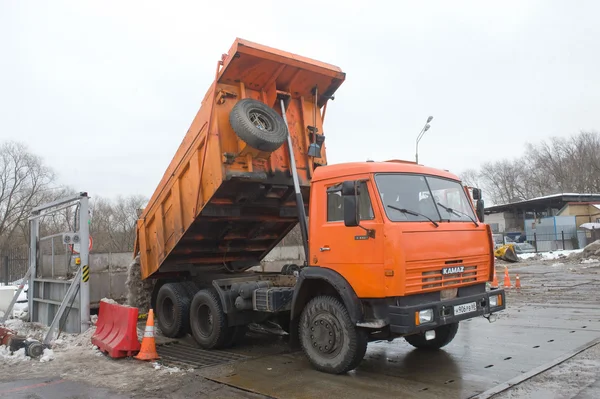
{"points": [[357, 338], [181, 300], [210, 297], [254, 137]]}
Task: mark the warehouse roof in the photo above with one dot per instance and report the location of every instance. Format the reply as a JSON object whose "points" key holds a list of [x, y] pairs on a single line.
{"points": [[556, 201]]}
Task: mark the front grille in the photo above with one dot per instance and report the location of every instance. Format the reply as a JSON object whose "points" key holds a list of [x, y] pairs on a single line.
{"points": [[439, 280], [427, 275]]}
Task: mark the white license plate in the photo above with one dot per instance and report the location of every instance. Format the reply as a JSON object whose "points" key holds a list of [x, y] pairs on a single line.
{"points": [[465, 308]]}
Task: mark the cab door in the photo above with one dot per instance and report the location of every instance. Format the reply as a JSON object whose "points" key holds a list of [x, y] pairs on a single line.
{"points": [[348, 250]]}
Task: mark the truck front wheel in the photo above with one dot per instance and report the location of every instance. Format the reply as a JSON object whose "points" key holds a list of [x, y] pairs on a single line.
{"points": [[329, 339], [208, 322], [443, 336], [173, 306]]}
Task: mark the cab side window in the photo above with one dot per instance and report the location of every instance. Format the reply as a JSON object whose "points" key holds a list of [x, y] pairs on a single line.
{"points": [[335, 203]]}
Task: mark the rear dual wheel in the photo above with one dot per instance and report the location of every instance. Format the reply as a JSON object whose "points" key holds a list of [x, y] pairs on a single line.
{"points": [[208, 322], [172, 310]]}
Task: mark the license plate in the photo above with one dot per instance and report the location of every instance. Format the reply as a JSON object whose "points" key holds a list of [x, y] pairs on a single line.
{"points": [[465, 308]]}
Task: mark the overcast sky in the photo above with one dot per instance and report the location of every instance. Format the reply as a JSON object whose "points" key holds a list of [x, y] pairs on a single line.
{"points": [[105, 90]]}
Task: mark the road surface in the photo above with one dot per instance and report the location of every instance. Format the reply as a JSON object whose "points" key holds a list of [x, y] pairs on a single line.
{"points": [[543, 346]]}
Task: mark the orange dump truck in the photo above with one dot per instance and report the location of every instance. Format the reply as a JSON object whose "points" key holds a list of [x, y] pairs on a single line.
{"points": [[393, 249]]}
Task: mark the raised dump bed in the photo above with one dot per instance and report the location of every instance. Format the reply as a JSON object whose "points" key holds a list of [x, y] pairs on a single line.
{"points": [[227, 197]]}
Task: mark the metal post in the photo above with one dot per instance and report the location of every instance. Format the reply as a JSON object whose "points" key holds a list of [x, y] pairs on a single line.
{"points": [[535, 241], [562, 233], [299, 200], [34, 225], [5, 270], [52, 259], [84, 239]]}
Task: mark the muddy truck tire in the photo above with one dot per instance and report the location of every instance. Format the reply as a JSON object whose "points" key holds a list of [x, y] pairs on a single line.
{"points": [[332, 343], [208, 322], [173, 309], [443, 336], [258, 125]]}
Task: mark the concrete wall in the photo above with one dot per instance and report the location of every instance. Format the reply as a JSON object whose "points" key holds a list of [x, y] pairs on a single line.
{"points": [[281, 255], [108, 271]]}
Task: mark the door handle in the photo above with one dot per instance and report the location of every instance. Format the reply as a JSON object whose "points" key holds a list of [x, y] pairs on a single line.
{"points": [[323, 249]]}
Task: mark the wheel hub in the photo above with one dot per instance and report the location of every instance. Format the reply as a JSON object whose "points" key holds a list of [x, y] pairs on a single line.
{"points": [[260, 120], [325, 334]]}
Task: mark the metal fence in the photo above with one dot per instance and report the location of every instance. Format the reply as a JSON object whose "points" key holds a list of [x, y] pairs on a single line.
{"points": [[543, 241], [561, 240], [13, 264]]}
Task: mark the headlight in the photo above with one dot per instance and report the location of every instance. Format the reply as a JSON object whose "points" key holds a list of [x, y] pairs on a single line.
{"points": [[495, 300], [424, 316]]}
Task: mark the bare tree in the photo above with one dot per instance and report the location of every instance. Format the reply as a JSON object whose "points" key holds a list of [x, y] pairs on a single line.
{"points": [[557, 165], [471, 178], [24, 179], [113, 223]]}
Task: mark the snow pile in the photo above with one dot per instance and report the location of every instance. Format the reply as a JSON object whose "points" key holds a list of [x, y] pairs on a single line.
{"points": [[11, 358], [170, 370], [590, 260], [551, 255], [592, 249], [139, 291], [29, 330], [108, 300], [47, 355]]}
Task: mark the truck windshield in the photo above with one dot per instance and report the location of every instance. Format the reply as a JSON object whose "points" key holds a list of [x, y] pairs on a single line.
{"points": [[436, 198]]}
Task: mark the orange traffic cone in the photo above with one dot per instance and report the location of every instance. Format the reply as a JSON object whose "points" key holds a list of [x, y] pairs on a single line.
{"points": [[495, 280], [148, 350], [506, 278], [517, 282]]}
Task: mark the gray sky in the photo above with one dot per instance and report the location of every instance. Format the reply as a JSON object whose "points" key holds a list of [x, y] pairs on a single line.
{"points": [[106, 90]]}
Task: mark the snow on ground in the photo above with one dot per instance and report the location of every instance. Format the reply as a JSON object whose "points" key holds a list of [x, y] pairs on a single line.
{"points": [[47, 355], [11, 358], [587, 261], [550, 255], [170, 370]]}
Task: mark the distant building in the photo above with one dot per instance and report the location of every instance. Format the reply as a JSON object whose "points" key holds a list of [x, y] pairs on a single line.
{"points": [[584, 212], [511, 217], [551, 222]]}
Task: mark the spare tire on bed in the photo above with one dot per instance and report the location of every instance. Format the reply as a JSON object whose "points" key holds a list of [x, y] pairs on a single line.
{"points": [[258, 125]]}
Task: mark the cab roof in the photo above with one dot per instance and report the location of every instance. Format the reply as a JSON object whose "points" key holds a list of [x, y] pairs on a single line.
{"points": [[393, 166]]}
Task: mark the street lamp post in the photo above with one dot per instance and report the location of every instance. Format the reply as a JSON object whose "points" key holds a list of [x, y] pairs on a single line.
{"points": [[420, 136]]}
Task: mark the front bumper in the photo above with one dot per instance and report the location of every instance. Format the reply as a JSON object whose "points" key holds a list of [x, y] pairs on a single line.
{"points": [[402, 318]]}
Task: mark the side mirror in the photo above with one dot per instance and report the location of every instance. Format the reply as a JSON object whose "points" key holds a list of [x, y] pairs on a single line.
{"points": [[476, 194], [480, 208], [349, 195]]}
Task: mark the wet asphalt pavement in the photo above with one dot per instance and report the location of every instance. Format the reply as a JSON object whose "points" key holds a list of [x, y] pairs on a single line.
{"points": [[553, 316], [556, 313]]}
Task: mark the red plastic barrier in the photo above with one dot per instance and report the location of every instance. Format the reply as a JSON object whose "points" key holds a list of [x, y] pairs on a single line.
{"points": [[116, 330]]}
